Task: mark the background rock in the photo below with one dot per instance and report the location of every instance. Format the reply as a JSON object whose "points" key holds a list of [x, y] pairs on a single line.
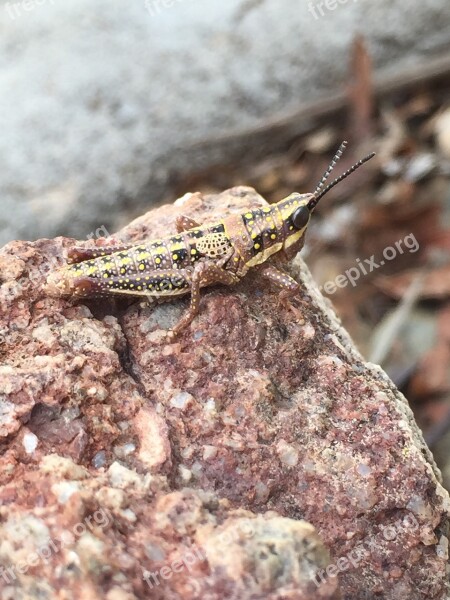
{"points": [[102, 103], [249, 410]]}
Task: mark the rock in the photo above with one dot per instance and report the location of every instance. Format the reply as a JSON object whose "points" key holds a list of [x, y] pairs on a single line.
{"points": [[182, 544], [108, 103], [153, 460]]}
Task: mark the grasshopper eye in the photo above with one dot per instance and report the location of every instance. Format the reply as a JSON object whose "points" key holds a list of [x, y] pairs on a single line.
{"points": [[300, 217]]}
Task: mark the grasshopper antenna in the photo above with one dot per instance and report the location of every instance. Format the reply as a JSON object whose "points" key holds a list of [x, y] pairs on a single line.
{"points": [[327, 173], [320, 191]]}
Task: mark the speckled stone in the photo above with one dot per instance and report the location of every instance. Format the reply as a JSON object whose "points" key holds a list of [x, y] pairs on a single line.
{"points": [[262, 447]]}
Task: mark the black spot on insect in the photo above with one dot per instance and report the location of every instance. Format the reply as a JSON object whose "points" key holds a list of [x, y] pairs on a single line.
{"points": [[257, 244], [178, 282], [181, 254], [175, 240], [249, 217], [196, 234]]}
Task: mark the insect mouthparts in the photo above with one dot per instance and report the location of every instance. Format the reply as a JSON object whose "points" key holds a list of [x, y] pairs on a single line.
{"points": [[320, 190]]}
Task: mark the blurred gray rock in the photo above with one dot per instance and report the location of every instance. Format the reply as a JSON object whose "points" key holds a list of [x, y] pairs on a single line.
{"points": [[102, 101]]}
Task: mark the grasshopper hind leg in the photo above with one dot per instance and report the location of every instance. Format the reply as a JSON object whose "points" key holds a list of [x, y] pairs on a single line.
{"points": [[78, 254]]}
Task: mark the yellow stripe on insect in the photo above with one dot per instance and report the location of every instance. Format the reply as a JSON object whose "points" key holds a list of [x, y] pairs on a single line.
{"points": [[263, 256], [292, 239]]}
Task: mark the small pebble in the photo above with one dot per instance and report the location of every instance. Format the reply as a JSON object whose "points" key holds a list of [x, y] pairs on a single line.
{"points": [[182, 400], [99, 460], [30, 442]]}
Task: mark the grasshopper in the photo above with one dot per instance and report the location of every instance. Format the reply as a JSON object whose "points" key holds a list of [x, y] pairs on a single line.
{"points": [[199, 255]]}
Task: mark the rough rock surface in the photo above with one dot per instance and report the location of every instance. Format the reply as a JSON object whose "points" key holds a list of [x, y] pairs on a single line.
{"points": [[202, 462], [103, 101]]}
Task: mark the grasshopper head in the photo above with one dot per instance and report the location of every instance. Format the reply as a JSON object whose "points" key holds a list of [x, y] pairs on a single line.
{"points": [[297, 208]]}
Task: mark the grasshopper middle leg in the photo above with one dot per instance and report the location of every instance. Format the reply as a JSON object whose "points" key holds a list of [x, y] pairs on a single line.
{"points": [[205, 273]]}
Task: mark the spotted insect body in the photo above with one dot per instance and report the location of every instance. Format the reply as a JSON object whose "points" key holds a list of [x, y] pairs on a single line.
{"points": [[198, 256]]}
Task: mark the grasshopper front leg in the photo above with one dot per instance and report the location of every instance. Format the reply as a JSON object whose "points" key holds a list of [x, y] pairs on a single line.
{"points": [[207, 272], [289, 287]]}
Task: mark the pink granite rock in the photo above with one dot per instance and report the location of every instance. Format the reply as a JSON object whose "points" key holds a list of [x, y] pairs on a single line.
{"points": [[236, 445]]}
